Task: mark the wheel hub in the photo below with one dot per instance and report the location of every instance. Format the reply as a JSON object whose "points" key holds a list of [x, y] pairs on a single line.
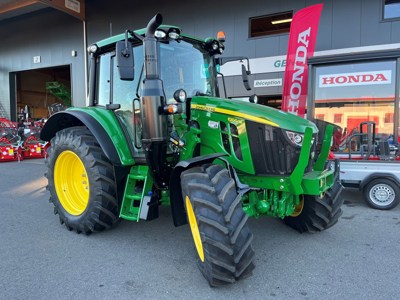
{"points": [[382, 194], [71, 183]]}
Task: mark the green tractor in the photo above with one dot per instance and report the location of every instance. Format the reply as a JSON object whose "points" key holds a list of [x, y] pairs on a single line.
{"points": [[157, 133]]}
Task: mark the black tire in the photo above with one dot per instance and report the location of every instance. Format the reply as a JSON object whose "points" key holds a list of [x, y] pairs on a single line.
{"points": [[97, 205], [382, 194], [318, 214], [222, 224]]}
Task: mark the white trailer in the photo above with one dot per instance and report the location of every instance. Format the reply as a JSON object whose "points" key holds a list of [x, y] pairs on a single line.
{"points": [[378, 180]]}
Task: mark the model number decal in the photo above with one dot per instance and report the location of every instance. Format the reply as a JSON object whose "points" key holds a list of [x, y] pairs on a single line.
{"points": [[213, 124], [235, 121]]}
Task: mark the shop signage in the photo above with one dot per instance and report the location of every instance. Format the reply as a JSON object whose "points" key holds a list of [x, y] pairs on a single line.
{"points": [[257, 66], [302, 40], [353, 79], [268, 82]]}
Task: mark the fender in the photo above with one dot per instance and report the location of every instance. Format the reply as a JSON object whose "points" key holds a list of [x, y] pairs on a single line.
{"points": [[177, 207], [119, 156], [381, 176]]}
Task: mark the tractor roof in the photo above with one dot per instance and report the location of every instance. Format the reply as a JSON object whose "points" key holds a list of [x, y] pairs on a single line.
{"points": [[112, 40]]}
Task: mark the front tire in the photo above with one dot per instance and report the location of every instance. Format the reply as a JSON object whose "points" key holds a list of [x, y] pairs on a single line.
{"points": [[316, 214], [382, 194], [81, 181], [218, 224]]}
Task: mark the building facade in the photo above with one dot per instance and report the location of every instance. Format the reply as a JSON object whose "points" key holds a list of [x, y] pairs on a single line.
{"points": [[48, 45]]}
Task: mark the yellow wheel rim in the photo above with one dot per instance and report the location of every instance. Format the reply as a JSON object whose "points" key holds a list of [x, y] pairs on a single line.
{"points": [[298, 209], [71, 183], [195, 229]]}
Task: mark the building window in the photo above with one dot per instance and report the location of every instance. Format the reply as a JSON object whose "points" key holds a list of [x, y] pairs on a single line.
{"points": [[389, 118], [270, 24], [359, 92], [337, 118], [391, 9], [320, 117]]}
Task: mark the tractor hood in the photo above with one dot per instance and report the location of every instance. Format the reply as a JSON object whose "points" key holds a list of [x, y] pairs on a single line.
{"points": [[253, 112]]}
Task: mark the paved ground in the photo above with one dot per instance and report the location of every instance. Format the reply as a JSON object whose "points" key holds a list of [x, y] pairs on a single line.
{"points": [[359, 258]]}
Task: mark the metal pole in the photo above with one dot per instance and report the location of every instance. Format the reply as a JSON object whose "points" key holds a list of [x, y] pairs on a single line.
{"points": [[85, 58]]}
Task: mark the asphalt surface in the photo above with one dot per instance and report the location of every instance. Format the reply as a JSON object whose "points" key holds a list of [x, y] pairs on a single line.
{"points": [[359, 258]]}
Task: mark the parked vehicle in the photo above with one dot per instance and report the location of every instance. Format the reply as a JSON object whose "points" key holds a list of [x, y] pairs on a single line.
{"points": [[368, 163], [157, 133]]}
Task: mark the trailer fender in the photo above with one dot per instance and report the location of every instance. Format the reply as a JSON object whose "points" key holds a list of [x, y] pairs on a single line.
{"points": [[66, 119], [373, 176], [177, 207]]}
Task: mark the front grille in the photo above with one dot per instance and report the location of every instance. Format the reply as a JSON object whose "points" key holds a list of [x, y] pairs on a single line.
{"points": [[272, 152]]}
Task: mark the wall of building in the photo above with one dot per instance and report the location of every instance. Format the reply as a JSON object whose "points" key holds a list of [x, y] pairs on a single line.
{"points": [[50, 34], [344, 24]]}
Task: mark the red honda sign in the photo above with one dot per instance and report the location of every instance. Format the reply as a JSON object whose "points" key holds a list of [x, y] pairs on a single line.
{"points": [[302, 39], [359, 78]]}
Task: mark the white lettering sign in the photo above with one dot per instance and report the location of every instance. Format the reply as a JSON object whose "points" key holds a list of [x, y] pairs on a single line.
{"points": [[73, 5], [257, 66], [300, 64], [268, 82], [358, 78]]}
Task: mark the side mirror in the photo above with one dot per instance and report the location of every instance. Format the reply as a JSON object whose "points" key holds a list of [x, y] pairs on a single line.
{"points": [[125, 60], [245, 78]]}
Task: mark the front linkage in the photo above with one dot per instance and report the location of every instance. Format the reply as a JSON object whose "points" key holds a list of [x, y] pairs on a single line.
{"points": [[285, 197]]}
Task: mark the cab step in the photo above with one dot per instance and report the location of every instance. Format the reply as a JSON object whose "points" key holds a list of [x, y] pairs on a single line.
{"points": [[137, 193]]}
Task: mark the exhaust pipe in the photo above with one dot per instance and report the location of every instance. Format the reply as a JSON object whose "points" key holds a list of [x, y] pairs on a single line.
{"points": [[153, 25], [155, 125], [150, 48]]}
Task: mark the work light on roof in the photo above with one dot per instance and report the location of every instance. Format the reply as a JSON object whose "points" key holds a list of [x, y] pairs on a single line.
{"points": [[160, 34], [173, 34], [92, 48]]}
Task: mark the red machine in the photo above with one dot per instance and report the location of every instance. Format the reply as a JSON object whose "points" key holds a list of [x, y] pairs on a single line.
{"points": [[32, 146], [18, 143], [10, 142]]}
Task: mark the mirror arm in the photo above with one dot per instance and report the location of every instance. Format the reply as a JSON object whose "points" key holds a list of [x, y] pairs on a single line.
{"points": [[223, 83]]}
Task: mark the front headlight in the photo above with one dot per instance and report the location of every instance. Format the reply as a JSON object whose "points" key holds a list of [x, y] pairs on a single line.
{"points": [[295, 137]]}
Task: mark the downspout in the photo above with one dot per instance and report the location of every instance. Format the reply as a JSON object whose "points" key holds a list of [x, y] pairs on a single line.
{"points": [[85, 61]]}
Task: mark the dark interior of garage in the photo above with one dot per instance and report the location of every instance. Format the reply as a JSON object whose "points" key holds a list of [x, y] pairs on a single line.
{"points": [[37, 90]]}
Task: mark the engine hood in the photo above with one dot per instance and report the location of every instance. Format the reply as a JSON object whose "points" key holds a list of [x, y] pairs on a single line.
{"points": [[253, 112]]}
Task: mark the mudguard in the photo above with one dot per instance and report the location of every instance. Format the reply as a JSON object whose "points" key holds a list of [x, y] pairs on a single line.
{"points": [[102, 124], [378, 175]]}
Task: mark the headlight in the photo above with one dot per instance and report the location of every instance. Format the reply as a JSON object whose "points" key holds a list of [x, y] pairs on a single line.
{"points": [[180, 95], [295, 137]]}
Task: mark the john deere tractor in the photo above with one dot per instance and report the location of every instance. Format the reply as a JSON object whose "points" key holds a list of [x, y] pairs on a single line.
{"points": [[156, 133]]}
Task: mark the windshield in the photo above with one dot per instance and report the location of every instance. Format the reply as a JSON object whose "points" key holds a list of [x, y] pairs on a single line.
{"points": [[186, 66]]}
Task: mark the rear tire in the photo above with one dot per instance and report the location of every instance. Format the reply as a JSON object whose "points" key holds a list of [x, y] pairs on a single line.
{"points": [[382, 194], [218, 224], [81, 182], [318, 214]]}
